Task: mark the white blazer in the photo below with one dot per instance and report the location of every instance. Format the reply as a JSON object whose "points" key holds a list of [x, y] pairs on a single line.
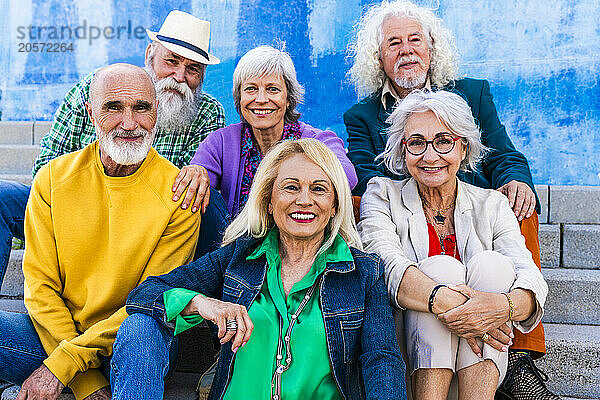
{"points": [[393, 225]]}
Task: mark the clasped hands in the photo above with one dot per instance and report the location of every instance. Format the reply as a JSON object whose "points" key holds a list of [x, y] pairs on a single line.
{"points": [[483, 312]]}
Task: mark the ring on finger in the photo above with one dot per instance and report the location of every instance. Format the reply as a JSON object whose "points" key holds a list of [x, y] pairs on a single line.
{"points": [[232, 325], [485, 337]]}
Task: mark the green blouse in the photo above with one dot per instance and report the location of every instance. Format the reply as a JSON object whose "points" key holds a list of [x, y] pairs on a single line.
{"points": [[309, 375]]}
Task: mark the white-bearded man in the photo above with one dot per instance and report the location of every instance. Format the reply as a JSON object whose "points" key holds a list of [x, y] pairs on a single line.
{"points": [[400, 47], [80, 263], [176, 59]]}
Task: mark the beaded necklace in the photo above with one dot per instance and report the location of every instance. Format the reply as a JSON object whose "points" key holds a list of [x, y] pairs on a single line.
{"points": [[280, 366]]}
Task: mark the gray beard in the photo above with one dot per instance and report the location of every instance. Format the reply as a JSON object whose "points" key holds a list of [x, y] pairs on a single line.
{"points": [[125, 153], [411, 82], [175, 111]]}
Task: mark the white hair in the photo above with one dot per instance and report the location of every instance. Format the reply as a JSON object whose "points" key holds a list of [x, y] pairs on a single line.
{"points": [[125, 153], [450, 109], [368, 75], [254, 219], [267, 60], [174, 111]]}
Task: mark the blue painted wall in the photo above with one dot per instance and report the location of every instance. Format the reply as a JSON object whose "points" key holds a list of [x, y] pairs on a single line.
{"points": [[542, 59]]}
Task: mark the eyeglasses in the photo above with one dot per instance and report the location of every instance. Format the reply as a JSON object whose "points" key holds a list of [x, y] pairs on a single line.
{"points": [[443, 143]]}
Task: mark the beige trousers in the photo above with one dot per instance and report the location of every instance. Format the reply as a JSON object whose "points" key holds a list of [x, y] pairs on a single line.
{"points": [[427, 343]]}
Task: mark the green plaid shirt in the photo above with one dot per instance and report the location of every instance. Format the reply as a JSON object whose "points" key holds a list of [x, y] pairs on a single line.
{"points": [[72, 129]]}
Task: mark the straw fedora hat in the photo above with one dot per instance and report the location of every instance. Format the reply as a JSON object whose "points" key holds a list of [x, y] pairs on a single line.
{"points": [[185, 35]]}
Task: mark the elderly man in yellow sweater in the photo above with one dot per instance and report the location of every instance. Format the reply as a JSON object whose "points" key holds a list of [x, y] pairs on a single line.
{"points": [[98, 222]]}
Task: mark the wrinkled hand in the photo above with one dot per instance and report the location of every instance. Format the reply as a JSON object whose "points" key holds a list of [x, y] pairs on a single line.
{"points": [[195, 178], [41, 385], [520, 198], [481, 313], [100, 394], [219, 312], [499, 338]]}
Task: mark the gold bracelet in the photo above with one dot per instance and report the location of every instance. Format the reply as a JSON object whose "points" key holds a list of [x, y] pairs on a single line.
{"points": [[511, 306]]}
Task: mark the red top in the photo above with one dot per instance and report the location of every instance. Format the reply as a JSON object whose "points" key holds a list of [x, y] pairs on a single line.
{"points": [[435, 248]]}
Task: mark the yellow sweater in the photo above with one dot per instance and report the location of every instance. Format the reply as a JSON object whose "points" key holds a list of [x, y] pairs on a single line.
{"points": [[91, 239]]}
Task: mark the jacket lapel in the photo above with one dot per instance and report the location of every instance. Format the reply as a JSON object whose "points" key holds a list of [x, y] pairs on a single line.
{"points": [[463, 223], [379, 135], [417, 231]]}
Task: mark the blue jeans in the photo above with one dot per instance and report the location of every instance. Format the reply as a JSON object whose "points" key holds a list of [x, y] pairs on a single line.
{"points": [[21, 351], [144, 354], [13, 199]]}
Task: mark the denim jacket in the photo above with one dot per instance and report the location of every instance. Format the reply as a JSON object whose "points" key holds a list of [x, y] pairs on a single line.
{"points": [[359, 327]]}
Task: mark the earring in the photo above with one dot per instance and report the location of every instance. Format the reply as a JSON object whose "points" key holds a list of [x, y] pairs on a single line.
{"points": [[270, 209]]}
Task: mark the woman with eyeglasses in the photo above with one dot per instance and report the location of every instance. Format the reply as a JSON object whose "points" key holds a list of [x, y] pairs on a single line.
{"points": [[457, 268]]}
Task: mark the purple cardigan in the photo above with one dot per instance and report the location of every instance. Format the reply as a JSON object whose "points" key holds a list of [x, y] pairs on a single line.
{"points": [[220, 154]]}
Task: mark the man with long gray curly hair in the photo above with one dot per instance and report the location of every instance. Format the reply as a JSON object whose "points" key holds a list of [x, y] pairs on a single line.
{"points": [[400, 47]]}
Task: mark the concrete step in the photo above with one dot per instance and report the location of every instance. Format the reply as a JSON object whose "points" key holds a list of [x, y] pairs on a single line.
{"points": [[573, 360], [581, 246], [180, 386], [573, 296], [16, 132], [12, 285], [549, 235], [40, 129], [23, 178], [542, 192], [578, 398], [17, 159], [570, 245], [23, 132], [574, 204], [12, 305]]}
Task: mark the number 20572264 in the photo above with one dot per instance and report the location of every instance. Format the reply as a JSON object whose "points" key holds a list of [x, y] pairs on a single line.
{"points": [[43, 47]]}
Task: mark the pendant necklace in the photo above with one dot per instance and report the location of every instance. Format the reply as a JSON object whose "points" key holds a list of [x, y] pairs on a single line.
{"points": [[439, 218]]}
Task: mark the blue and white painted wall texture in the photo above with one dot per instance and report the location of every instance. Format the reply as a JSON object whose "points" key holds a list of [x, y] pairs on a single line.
{"points": [[542, 58]]}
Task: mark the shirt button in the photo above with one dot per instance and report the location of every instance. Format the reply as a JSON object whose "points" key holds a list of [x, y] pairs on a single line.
{"points": [[279, 356], [294, 316], [287, 338]]}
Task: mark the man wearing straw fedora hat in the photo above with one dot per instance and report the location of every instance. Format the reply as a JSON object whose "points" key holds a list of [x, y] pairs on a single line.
{"points": [[176, 59]]}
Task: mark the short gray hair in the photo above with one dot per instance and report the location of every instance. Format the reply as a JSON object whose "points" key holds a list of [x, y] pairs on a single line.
{"points": [[254, 219], [267, 60], [450, 109], [368, 75]]}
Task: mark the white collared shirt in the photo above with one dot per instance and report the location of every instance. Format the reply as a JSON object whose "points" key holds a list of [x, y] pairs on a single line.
{"points": [[389, 88]]}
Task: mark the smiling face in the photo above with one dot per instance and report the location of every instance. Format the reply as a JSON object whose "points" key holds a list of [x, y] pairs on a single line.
{"points": [[404, 53], [122, 108], [167, 64], [431, 169], [302, 200], [263, 102]]}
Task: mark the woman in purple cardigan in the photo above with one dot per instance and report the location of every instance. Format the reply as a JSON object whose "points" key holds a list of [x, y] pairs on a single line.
{"points": [[266, 93]]}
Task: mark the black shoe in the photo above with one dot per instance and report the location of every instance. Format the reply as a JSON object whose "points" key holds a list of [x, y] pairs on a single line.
{"points": [[524, 381]]}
